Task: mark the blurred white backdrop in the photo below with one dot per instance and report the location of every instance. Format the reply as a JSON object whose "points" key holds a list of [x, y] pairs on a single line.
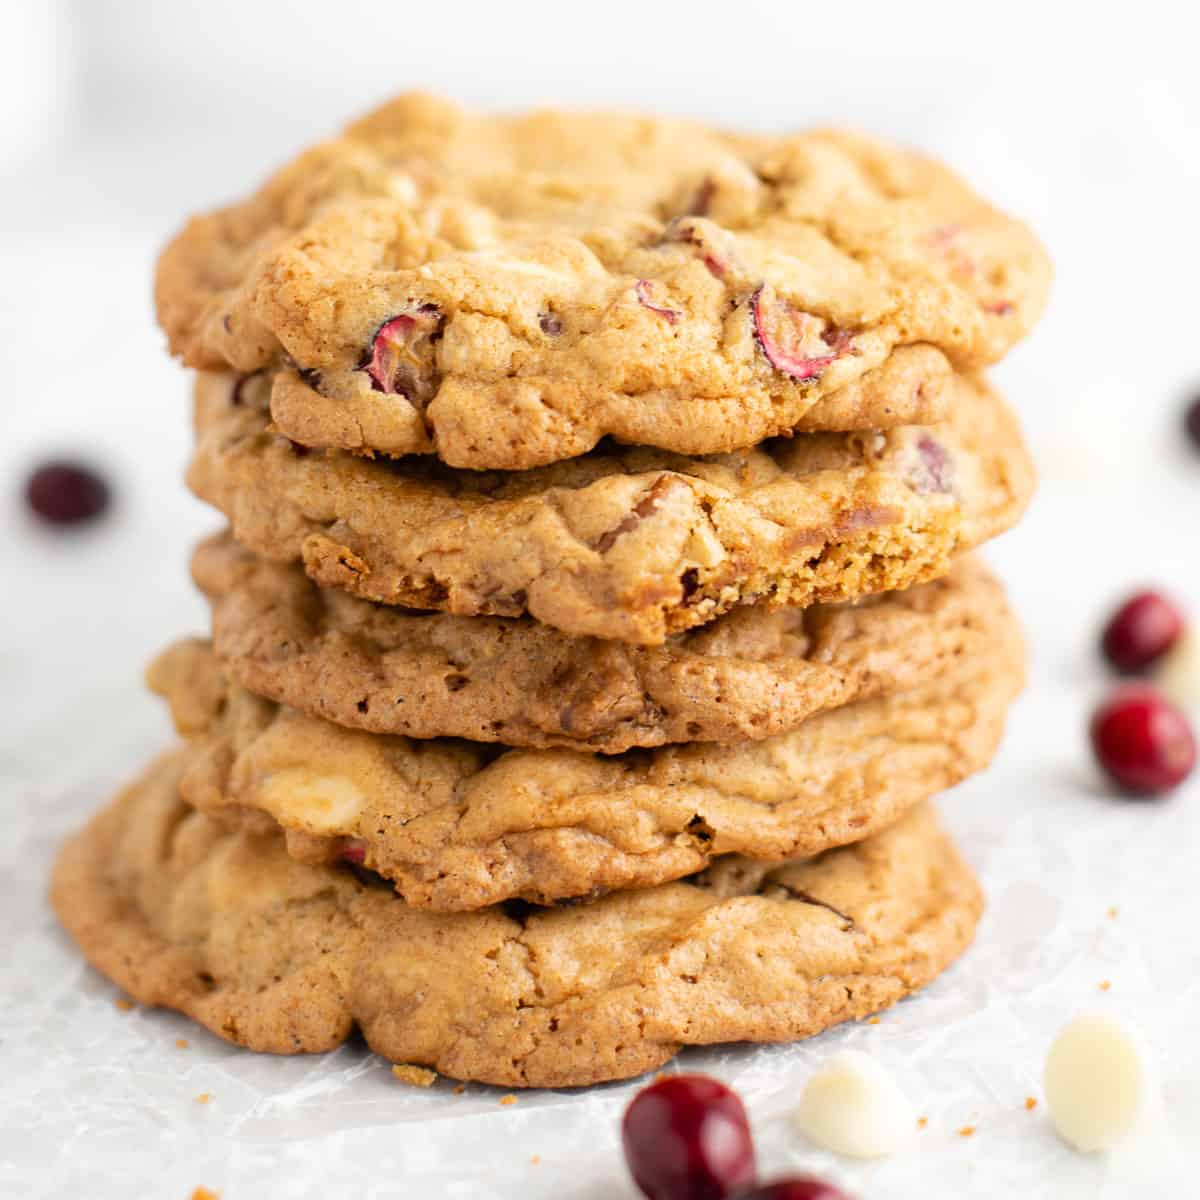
{"points": [[120, 117]]}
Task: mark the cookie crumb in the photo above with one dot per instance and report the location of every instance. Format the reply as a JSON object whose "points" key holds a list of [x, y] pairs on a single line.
{"points": [[181, 1043], [1030, 1103], [202, 1193], [123, 1003], [536, 1160], [873, 1020], [967, 1131], [413, 1075], [1112, 912], [922, 1122], [509, 1099], [204, 1097], [459, 1088], [1105, 984]]}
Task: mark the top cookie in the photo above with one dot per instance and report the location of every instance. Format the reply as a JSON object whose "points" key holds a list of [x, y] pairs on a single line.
{"points": [[505, 291]]}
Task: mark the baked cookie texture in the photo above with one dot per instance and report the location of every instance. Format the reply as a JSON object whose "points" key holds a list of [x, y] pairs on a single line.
{"points": [[284, 957], [750, 674], [626, 544], [458, 825], [504, 292]]}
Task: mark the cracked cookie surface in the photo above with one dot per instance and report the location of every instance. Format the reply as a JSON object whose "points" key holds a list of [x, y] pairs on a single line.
{"points": [[748, 675], [631, 545], [283, 957], [505, 291], [458, 825]]}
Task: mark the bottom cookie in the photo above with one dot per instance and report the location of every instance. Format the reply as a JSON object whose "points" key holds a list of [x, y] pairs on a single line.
{"points": [[285, 957]]}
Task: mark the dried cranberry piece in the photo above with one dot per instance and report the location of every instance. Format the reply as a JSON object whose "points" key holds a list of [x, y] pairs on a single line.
{"points": [[645, 294], [401, 358], [687, 1138], [934, 468], [1143, 742], [795, 342], [795, 1187], [353, 850], [62, 492], [1141, 631]]}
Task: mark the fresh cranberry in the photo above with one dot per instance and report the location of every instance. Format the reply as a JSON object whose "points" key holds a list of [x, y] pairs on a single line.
{"points": [[1191, 421], [796, 1187], [1141, 631], [1143, 741], [66, 493], [687, 1138]]}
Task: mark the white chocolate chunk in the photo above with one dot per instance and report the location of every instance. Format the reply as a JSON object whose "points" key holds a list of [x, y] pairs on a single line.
{"points": [[1095, 1083], [1178, 674], [854, 1107], [299, 798]]}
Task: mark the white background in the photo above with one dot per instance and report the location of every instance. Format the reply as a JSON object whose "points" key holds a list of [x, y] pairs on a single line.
{"points": [[118, 118]]}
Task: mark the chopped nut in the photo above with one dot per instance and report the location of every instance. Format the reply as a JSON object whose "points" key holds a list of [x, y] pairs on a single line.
{"points": [[413, 1075]]}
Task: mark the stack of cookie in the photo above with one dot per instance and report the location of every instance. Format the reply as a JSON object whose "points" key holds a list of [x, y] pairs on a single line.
{"points": [[596, 615]]}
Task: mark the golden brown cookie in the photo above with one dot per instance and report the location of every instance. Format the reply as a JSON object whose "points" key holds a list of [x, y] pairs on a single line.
{"points": [[459, 825], [505, 291], [631, 545], [749, 674], [284, 957]]}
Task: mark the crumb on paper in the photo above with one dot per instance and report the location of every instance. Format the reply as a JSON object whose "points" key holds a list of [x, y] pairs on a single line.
{"points": [[459, 1088], [204, 1097], [202, 1193], [1105, 984], [873, 1020], [414, 1076], [536, 1160], [1030, 1103], [124, 1003], [509, 1099], [1112, 912], [967, 1131], [181, 1043], [922, 1122]]}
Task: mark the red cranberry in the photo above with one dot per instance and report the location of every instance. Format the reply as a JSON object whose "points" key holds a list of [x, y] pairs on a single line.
{"points": [[796, 1187], [687, 1138], [1191, 421], [66, 493], [1143, 741], [1141, 631]]}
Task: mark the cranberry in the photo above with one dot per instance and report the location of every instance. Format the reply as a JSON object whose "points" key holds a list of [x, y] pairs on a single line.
{"points": [[687, 1138], [1141, 631], [796, 1187], [1143, 741], [1191, 421], [795, 342], [66, 493]]}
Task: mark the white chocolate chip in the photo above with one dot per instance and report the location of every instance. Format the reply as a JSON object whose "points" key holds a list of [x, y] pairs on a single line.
{"points": [[300, 798], [1178, 674], [854, 1107], [1095, 1082]]}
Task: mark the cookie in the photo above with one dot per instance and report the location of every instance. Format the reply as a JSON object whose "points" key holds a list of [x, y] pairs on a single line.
{"points": [[506, 291], [288, 958], [631, 545], [748, 675], [459, 825]]}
